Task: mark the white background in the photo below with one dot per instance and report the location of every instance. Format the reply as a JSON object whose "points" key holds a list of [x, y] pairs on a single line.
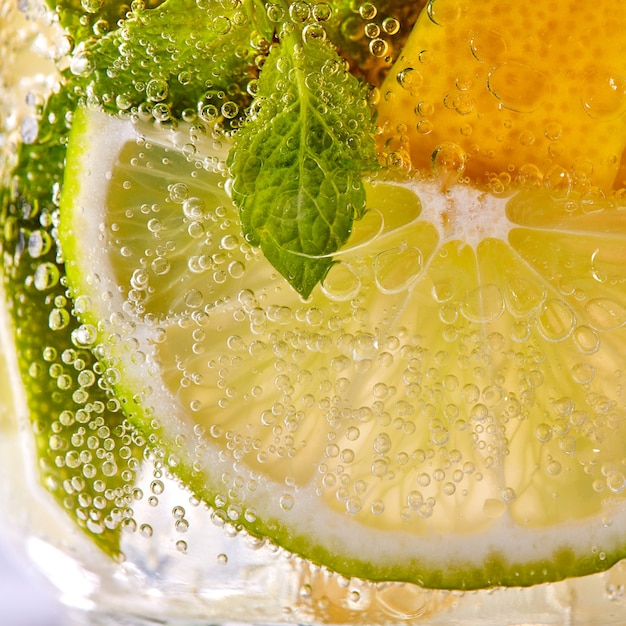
{"points": [[26, 599]]}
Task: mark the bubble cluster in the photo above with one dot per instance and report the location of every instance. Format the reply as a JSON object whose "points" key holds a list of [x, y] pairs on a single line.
{"points": [[400, 389]]}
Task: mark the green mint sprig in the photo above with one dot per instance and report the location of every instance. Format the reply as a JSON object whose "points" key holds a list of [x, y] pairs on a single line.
{"points": [[181, 60], [300, 150], [298, 162]]}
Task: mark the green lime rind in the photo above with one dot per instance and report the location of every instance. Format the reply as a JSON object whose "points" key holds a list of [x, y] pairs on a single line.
{"points": [[497, 570], [88, 454]]}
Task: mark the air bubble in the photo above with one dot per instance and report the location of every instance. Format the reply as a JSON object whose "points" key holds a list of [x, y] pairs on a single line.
{"points": [[181, 525], [299, 11], [91, 6], [178, 192], [449, 489], [236, 269], [552, 131], [58, 319], [424, 127], [605, 314], [157, 90], [440, 436], [508, 494], [341, 283], [463, 104], [286, 502], [517, 86], [322, 11], [586, 340], [441, 12], [161, 112], [305, 591], [543, 432], [229, 110], [377, 507], [615, 481], [557, 179], [557, 321], [146, 530], [86, 378], [448, 160], [82, 64], [410, 79], [583, 373], [379, 468], [488, 46], [157, 487], [391, 25], [352, 433], [193, 299], [84, 336], [382, 443], [209, 112], [378, 47], [314, 32], [368, 11], [396, 269], [603, 94], [160, 266], [354, 505], [372, 30], [39, 243], [479, 412], [46, 276], [554, 468]]}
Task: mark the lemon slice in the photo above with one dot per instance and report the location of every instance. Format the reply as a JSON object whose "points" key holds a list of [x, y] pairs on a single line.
{"points": [[447, 408]]}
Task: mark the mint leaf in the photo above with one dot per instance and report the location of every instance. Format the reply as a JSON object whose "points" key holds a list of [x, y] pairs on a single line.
{"points": [[297, 163], [86, 19], [179, 59]]}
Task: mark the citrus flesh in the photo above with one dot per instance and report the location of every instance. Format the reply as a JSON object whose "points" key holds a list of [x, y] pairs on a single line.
{"points": [[441, 412], [506, 94]]}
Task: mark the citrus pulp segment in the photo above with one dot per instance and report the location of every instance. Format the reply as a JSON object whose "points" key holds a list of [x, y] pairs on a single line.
{"points": [[506, 94], [437, 411]]}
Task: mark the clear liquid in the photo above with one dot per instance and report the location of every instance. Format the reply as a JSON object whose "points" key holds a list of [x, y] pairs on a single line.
{"points": [[183, 565]]}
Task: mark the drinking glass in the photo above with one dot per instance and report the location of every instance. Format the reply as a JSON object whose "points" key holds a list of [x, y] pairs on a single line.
{"points": [[179, 562]]}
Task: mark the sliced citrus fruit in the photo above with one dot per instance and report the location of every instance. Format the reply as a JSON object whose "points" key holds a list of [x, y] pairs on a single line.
{"points": [[446, 408], [505, 94]]}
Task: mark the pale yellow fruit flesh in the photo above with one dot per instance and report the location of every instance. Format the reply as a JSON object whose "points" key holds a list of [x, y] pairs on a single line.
{"points": [[414, 423]]}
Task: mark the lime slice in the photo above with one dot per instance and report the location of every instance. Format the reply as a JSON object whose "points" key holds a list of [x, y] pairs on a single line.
{"points": [[446, 408]]}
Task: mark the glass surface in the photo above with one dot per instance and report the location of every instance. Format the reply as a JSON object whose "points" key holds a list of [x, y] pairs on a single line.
{"points": [[170, 558]]}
